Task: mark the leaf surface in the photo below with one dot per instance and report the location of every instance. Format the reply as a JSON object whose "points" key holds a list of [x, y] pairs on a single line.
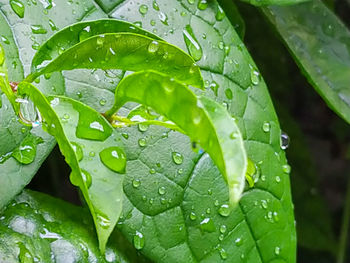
{"points": [[38, 227], [274, 2], [320, 44]]}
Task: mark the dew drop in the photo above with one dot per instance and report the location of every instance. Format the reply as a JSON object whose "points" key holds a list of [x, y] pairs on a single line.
{"points": [[177, 158], [142, 142], [193, 216], [223, 229], [202, 4], [114, 158], [18, 8], [207, 225], [78, 150], [103, 102], [38, 29], [255, 77], [139, 240], [152, 171], [86, 176], [278, 179], [286, 168], [277, 251], [220, 14], [155, 5], [143, 127], [266, 126], [161, 190], [103, 220], [223, 253], [284, 140], [136, 183], [143, 9], [228, 94], [224, 210], [192, 44], [238, 241], [125, 135]]}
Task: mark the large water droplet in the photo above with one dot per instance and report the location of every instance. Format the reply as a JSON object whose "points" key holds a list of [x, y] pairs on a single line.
{"points": [[161, 190], [86, 176], [223, 253], [207, 225], [284, 140], [25, 153], [17, 7], [177, 158], [92, 127], [139, 240], [38, 29], [114, 158], [192, 44], [224, 210], [136, 183], [202, 4], [153, 47], [220, 14]]}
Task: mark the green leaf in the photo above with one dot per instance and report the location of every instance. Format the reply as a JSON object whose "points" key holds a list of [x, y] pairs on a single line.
{"points": [[72, 35], [38, 227], [127, 51], [203, 120], [320, 44], [84, 136], [227, 7], [274, 2]]}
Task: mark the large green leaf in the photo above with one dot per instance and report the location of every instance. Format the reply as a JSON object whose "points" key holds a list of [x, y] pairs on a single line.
{"points": [[320, 44], [37, 227]]}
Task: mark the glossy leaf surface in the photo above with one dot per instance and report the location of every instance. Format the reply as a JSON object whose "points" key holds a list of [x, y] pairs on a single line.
{"points": [[320, 44], [203, 120], [82, 134], [37, 227], [126, 51]]}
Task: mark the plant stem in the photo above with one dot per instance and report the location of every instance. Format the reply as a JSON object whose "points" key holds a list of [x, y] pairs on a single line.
{"points": [[344, 227]]}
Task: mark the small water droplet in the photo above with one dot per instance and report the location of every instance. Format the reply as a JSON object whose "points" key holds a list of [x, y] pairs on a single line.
{"points": [[228, 94], [220, 14], [153, 47], [224, 210], [223, 229], [52, 25], [177, 158], [202, 4], [277, 251], [286, 168], [114, 158], [193, 216], [136, 183], [238, 241], [163, 18], [38, 29], [103, 220], [264, 204], [155, 5], [5, 40], [125, 135], [139, 240], [2, 55], [192, 44], [143, 9], [18, 8], [143, 127], [266, 126], [191, 2], [86, 176], [78, 150], [255, 77], [103, 102], [207, 225], [161, 190], [284, 140], [214, 87], [142, 142]]}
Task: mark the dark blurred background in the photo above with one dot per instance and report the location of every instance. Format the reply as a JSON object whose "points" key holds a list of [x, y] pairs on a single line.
{"points": [[319, 151]]}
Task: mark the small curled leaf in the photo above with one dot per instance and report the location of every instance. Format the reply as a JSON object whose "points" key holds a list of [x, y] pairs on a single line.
{"points": [[126, 51], [203, 120]]}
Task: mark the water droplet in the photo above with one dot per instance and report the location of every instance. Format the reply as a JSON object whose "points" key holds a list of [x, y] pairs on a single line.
{"points": [[143, 127], [152, 171], [238, 241], [143, 9], [275, 216], [284, 140], [153, 47], [202, 4], [161, 190], [38, 29], [266, 126], [87, 179], [125, 135], [224, 210], [93, 127], [228, 94], [142, 142], [114, 158], [191, 2], [78, 150], [136, 183], [234, 135], [286, 168], [192, 44], [193, 216], [17, 7], [220, 14], [139, 240], [277, 251], [255, 77], [155, 5], [208, 211], [177, 158], [103, 220], [223, 229], [24, 254], [214, 87], [25, 153], [2, 55], [52, 25], [223, 253], [163, 18], [5, 40], [264, 204], [207, 225], [102, 102]]}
